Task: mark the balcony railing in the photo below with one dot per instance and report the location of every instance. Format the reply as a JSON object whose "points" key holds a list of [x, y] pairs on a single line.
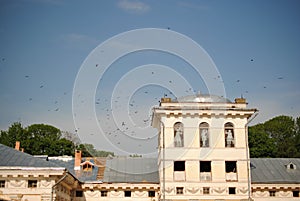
{"points": [[231, 176], [205, 176]]}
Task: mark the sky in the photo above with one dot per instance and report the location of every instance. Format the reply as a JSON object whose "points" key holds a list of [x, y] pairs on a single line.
{"points": [[52, 55]]}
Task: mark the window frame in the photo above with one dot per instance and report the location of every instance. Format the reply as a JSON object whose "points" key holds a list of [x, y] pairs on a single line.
{"points": [[127, 193], [179, 190], [180, 136], [103, 193], [204, 126], [2, 183], [32, 183], [229, 126], [180, 167]]}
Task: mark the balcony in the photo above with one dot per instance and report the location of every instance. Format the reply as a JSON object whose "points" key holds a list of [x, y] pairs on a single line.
{"points": [[205, 176], [231, 176], [179, 175]]}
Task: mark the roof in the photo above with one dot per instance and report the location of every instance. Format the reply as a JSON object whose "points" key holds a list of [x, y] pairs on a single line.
{"points": [[275, 170], [79, 174], [13, 158], [204, 98], [131, 170]]}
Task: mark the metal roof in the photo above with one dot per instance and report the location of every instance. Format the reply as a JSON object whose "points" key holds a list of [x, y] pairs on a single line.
{"points": [[10, 157], [131, 170], [275, 170]]}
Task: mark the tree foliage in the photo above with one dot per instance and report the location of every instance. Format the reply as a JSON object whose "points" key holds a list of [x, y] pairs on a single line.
{"points": [[88, 150], [42, 139], [278, 137]]}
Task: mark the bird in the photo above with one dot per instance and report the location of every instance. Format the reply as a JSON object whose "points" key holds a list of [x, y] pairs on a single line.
{"points": [[56, 109], [123, 123], [251, 60], [280, 78], [96, 65], [26, 76], [238, 81], [41, 86]]}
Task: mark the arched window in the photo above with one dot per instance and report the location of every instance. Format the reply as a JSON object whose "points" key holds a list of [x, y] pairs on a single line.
{"points": [[178, 134], [204, 134], [229, 135]]}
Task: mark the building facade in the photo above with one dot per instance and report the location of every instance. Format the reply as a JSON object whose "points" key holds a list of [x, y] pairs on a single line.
{"points": [[203, 155]]}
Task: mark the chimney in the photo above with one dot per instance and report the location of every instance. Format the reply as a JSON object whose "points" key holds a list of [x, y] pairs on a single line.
{"points": [[17, 147], [77, 160]]}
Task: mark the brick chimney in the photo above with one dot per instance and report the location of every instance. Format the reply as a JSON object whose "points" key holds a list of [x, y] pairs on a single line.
{"points": [[77, 160], [17, 147]]}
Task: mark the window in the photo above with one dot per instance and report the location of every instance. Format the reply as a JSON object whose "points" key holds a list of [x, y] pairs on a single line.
{"points": [[231, 190], [230, 166], [32, 183], [205, 166], [179, 165], [103, 193], [179, 190], [2, 183], [206, 190], [178, 134], [229, 135], [272, 193], [295, 193], [79, 193], [127, 193], [151, 193], [204, 135]]}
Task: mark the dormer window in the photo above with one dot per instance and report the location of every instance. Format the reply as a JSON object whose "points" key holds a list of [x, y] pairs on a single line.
{"points": [[87, 166], [291, 166]]}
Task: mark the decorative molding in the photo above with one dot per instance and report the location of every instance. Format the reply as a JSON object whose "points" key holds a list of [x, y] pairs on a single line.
{"points": [[192, 190], [140, 193], [16, 183], [219, 190], [242, 190], [169, 190]]}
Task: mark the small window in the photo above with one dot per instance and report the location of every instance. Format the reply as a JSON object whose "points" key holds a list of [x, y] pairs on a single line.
{"points": [[272, 193], [179, 165], [205, 166], [151, 194], [296, 194], [179, 190], [2, 183], [205, 190], [103, 193], [79, 193], [32, 183], [178, 134], [229, 135], [204, 135], [231, 190], [127, 193], [230, 166]]}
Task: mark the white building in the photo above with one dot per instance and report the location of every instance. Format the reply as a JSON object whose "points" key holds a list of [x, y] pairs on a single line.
{"points": [[203, 155]]}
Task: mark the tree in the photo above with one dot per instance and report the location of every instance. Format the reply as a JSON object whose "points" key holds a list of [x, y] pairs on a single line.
{"points": [[277, 137], [260, 143], [38, 139]]}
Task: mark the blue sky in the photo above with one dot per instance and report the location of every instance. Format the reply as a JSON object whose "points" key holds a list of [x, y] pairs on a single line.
{"points": [[255, 46]]}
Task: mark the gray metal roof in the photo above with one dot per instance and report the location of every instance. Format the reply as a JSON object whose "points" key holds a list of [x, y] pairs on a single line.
{"points": [[14, 158], [275, 170], [131, 170]]}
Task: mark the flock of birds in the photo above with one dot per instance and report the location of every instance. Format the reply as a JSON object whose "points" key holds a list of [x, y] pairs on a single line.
{"points": [[136, 113]]}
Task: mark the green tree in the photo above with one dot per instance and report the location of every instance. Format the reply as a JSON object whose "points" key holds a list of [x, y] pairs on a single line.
{"points": [[277, 137], [14, 133], [260, 143]]}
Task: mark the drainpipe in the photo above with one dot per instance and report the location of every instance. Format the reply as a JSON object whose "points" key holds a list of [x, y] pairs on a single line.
{"points": [[59, 181], [248, 154]]}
